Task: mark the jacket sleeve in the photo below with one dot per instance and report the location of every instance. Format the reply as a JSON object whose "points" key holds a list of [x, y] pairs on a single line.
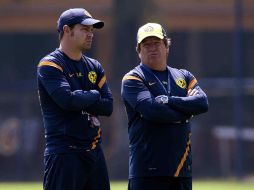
{"points": [[193, 105], [137, 95], [52, 78], [104, 106]]}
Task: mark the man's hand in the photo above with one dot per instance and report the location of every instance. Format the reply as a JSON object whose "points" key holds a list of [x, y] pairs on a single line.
{"points": [[95, 92], [192, 92]]}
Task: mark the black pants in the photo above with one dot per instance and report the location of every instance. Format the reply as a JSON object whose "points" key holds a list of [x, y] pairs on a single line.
{"points": [[76, 171], [160, 183]]}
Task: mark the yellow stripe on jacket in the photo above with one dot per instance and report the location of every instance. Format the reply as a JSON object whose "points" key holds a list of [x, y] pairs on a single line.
{"points": [[51, 64], [183, 158], [192, 83], [131, 78]]}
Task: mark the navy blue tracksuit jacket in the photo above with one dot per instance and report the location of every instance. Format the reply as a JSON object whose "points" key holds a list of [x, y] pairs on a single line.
{"points": [[159, 134], [68, 101]]}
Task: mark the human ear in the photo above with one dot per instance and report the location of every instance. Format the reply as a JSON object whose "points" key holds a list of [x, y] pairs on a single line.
{"points": [[66, 29]]}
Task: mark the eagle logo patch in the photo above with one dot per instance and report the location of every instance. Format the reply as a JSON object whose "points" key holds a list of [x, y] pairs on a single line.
{"points": [[148, 29], [181, 83], [92, 76]]}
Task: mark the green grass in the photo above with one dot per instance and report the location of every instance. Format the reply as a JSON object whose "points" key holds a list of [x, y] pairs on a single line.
{"points": [[223, 185], [197, 185]]}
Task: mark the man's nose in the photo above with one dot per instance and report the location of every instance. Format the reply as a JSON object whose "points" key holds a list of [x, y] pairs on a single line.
{"points": [[90, 34], [153, 47]]}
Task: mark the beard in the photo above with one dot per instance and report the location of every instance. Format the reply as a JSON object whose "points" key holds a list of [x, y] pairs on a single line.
{"points": [[85, 47], [82, 46]]}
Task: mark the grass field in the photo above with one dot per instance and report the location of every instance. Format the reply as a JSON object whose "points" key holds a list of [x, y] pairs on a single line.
{"points": [[197, 185]]}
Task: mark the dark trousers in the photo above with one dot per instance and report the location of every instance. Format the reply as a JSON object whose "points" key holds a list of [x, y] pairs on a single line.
{"points": [[160, 183], [76, 171]]}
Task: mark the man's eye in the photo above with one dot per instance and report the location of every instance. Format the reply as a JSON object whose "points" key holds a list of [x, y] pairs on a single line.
{"points": [[86, 29]]}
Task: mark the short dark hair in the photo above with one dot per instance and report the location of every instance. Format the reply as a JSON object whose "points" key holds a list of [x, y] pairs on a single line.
{"points": [[61, 33]]}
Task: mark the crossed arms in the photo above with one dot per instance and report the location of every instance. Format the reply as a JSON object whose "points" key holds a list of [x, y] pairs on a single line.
{"points": [[138, 96]]}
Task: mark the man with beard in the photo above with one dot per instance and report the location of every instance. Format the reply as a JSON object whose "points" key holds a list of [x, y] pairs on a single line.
{"points": [[73, 92]]}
